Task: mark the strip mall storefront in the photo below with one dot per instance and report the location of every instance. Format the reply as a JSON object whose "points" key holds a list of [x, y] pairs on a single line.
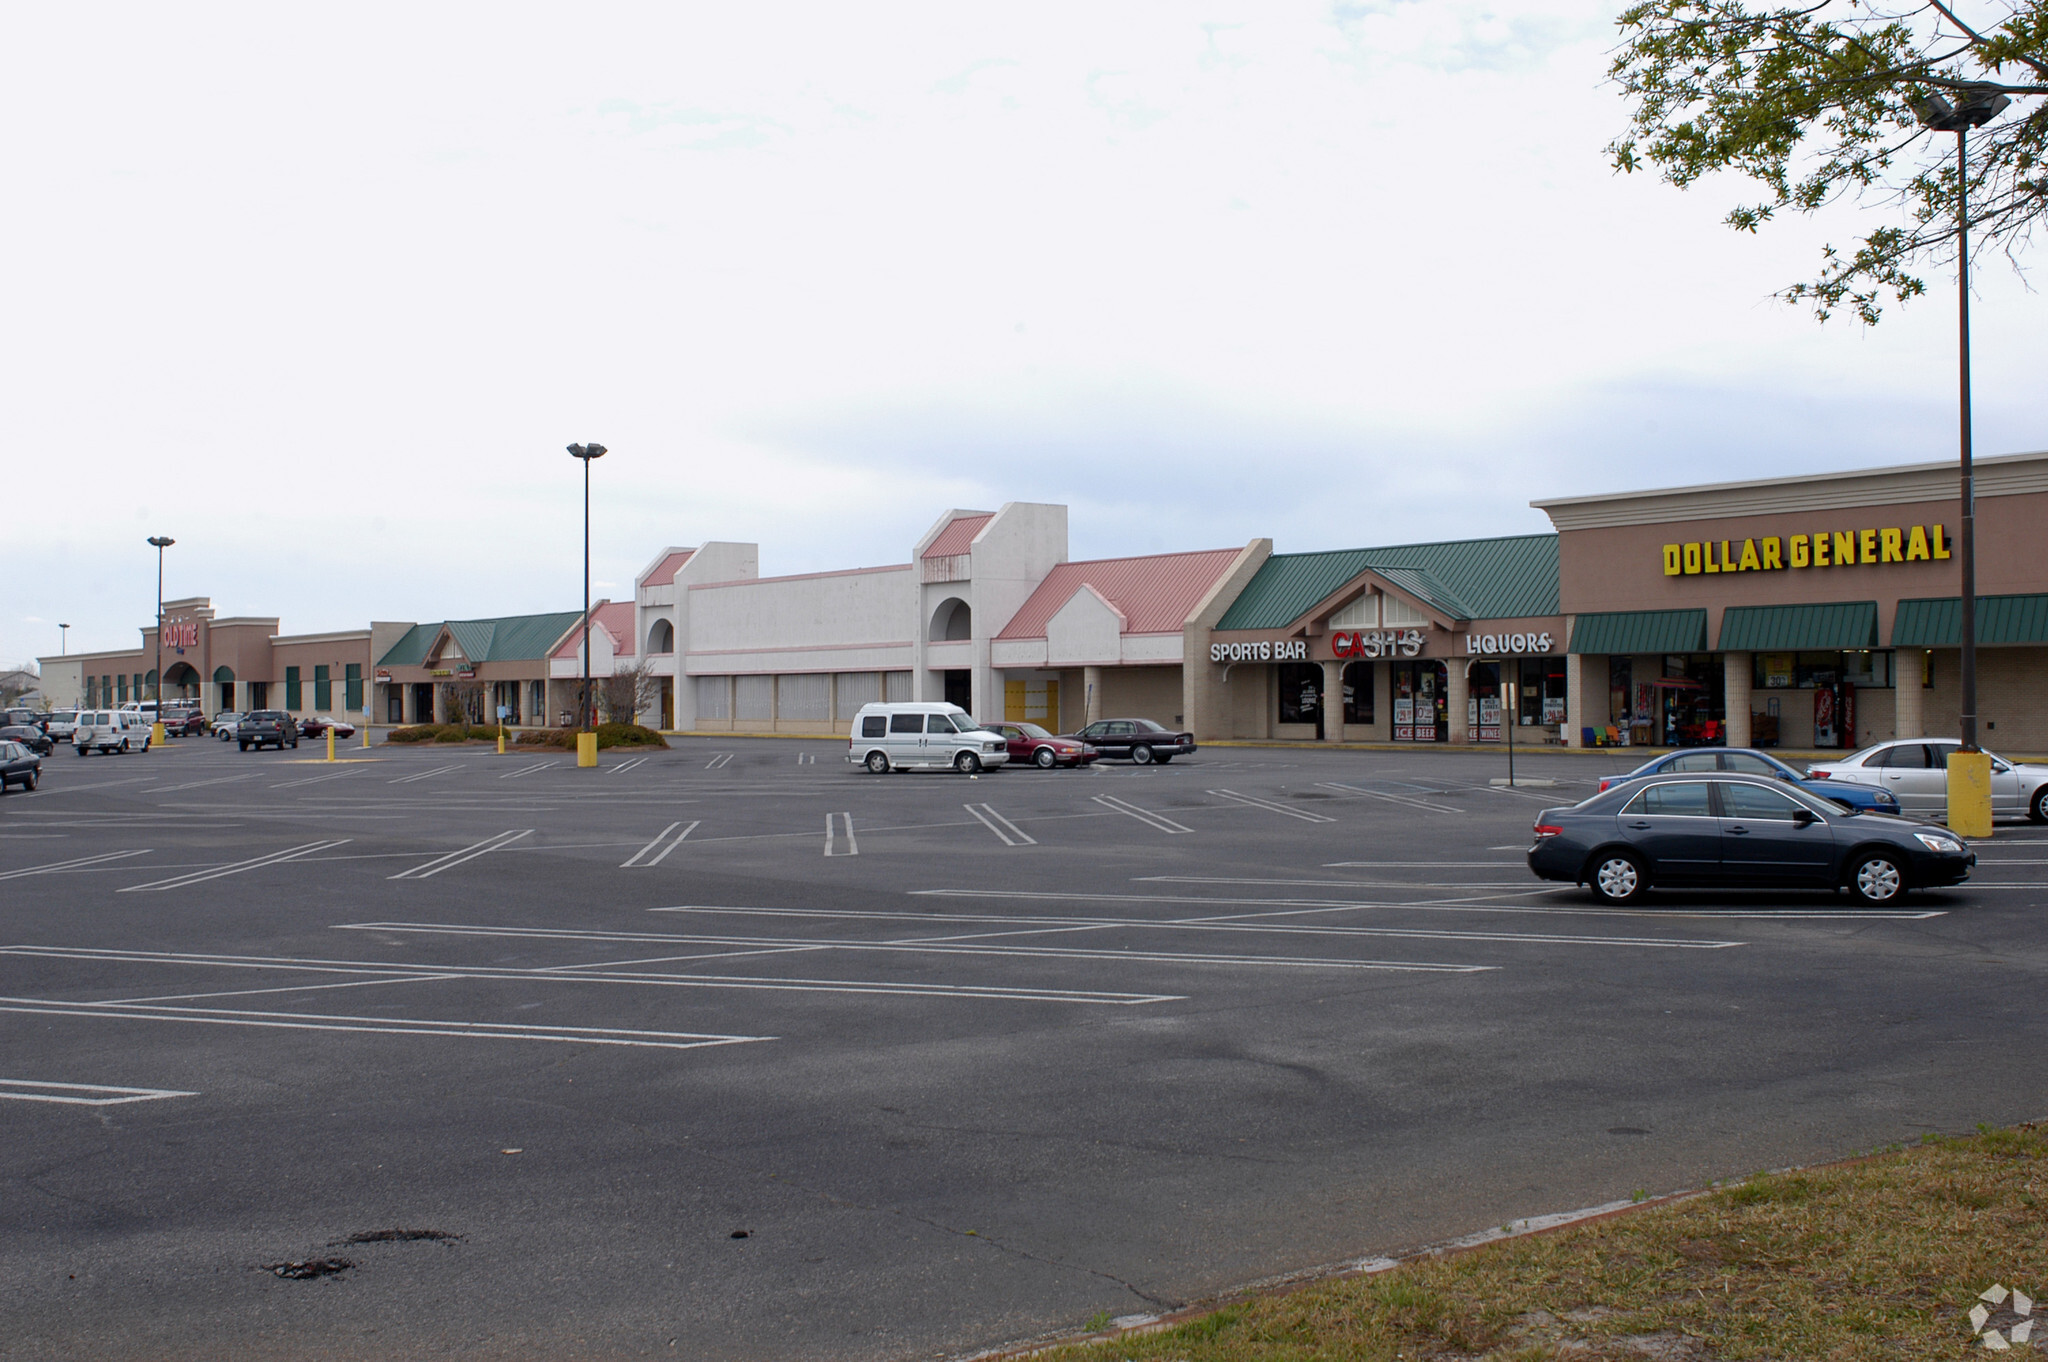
{"points": [[1819, 612]]}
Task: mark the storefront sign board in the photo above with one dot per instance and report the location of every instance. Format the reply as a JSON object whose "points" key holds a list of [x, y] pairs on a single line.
{"points": [[1823, 548]]}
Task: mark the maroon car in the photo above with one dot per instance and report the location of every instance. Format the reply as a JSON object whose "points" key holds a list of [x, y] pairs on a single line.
{"points": [[1029, 742]]}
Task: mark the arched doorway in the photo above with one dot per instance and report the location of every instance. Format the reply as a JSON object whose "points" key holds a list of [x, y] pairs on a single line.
{"points": [[662, 637], [224, 680], [952, 622], [181, 682]]}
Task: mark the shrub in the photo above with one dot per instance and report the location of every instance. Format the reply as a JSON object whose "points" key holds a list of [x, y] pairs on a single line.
{"points": [[608, 735]]}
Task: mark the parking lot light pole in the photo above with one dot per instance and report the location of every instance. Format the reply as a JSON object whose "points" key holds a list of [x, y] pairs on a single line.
{"points": [[586, 740], [64, 635], [160, 542], [1969, 770]]}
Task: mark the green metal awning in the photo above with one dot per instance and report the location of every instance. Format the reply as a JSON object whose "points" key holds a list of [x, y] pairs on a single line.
{"points": [[1789, 628], [1938, 622], [1640, 631]]}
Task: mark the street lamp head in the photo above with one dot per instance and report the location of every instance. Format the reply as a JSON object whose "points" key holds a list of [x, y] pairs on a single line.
{"points": [[587, 452], [1976, 104], [161, 541]]}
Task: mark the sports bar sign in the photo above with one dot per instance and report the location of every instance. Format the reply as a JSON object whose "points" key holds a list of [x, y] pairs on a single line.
{"points": [[1824, 548]]}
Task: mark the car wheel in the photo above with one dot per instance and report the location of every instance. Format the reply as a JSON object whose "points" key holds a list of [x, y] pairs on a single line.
{"points": [[124, 746], [83, 751], [2038, 810], [878, 763], [1142, 755], [295, 745], [1877, 879], [967, 763], [1618, 878], [1045, 758], [245, 747], [30, 783]]}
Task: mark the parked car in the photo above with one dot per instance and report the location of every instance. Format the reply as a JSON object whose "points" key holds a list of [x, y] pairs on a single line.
{"points": [[62, 724], [21, 718], [1915, 771], [183, 723], [1750, 762], [313, 728], [900, 736], [1029, 742], [267, 728], [110, 730], [19, 766], [224, 723], [34, 739], [1735, 831], [1139, 740]]}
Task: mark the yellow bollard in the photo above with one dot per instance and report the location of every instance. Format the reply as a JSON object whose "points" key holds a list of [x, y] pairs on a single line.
{"points": [[1969, 793], [330, 742], [366, 730], [501, 740], [586, 749], [156, 734]]}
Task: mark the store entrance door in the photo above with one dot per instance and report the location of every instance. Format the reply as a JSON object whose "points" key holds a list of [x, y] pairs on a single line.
{"points": [[960, 689], [1421, 704], [423, 702]]}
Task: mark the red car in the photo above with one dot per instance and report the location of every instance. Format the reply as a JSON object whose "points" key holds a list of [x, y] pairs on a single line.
{"points": [[313, 728], [1029, 742]]}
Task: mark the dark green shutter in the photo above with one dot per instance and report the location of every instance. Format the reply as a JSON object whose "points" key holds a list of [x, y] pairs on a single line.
{"points": [[293, 697], [323, 688], [352, 685]]}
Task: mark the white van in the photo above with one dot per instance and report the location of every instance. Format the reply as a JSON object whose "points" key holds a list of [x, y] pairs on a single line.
{"points": [[900, 737], [110, 730]]}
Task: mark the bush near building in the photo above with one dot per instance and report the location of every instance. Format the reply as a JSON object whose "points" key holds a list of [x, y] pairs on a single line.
{"points": [[608, 735]]}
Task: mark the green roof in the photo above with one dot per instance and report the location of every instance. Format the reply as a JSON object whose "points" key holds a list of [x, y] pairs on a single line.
{"points": [[1466, 579], [510, 638], [1640, 631], [1786, 628], [1938, 622]]}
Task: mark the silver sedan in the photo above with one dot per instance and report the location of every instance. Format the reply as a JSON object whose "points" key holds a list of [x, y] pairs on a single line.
{"points": [[1915, 770]]}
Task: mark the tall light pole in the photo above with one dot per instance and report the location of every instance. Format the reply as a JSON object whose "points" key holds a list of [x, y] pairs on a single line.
{"points": [[64, 637], [586, 453], [1976, 104], [160, 542]]}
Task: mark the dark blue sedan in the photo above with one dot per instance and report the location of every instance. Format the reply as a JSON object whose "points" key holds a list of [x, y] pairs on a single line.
{"points": [[1750, 762]]}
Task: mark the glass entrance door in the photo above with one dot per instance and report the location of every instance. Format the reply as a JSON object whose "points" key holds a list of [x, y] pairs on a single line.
{"points": [[1421, 709]]}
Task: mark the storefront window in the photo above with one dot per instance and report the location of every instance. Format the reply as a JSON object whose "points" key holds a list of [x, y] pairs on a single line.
{"points": [[1358, 693], [1301, 692], [1420, 709], [1542, 697], [1865, 669], [1620, 702], [1482, 707]]}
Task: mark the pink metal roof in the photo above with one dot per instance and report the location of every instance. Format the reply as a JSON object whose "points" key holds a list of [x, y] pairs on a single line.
{"points": [[616, 618], [665, 571], [1156, 594], [957, 537]]}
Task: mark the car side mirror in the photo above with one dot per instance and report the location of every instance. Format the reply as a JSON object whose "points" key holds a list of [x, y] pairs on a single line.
{"points": [[1803, 818]]}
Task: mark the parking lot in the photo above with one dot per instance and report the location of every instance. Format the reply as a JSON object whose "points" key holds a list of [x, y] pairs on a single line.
{"points": [[734, 1050]]}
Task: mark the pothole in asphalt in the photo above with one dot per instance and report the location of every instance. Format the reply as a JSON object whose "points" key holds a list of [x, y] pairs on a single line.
{"points": [[296, 1271]]}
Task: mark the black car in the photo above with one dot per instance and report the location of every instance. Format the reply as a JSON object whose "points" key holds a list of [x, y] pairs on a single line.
{"points": [[19, 766], [267, 728], [28, 735], [1140, 740], [1734, 831]]}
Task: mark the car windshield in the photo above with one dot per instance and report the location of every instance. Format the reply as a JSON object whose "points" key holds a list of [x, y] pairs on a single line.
{"points": [[1031, 730]]}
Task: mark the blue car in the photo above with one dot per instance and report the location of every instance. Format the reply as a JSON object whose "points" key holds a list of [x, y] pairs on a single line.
{"points": [[1749, 762]]}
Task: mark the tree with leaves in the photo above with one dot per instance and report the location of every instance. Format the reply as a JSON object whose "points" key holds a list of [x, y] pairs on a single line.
{"points": [[1834, 100]]}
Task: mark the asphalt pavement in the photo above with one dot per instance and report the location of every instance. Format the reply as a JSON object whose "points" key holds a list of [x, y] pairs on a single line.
{"points": [[735, 1051]]}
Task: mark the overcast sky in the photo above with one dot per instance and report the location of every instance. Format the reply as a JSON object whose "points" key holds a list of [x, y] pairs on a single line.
{"points": [[323, 294]]}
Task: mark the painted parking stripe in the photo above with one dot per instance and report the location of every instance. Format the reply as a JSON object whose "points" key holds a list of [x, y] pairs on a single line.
{"points": [[625, 766], [526, 770], [423, 775], [1410, 801], [1146, 816], [1007, 832], [839, 840], [1227, 923], [634, 862], [81, 1094], [723, 759], [1255, 802], [634, 978], [454, 858], [806, 759], [239, 867], [384, 1026], [920, 947], [1290, 907], [57, 867], [315, 780], [196, 784]]}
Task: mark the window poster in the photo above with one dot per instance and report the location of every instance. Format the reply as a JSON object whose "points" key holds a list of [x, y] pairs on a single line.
{"points": [[1777, 669]]}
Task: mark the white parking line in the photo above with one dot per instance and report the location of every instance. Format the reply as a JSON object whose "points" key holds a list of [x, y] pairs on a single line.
{"points": [[384, 1026], [1146, 816], [81, 863], [315, 780], [454, 858], [1290, 907], [634, 862], [1411, 802], [81, 1094], [838, 825], [806, 759], [1003, 828], [1255, 802], [721, 760], [625, 766], [255, 863], [423, 775], [196, 784], [526, 770]]}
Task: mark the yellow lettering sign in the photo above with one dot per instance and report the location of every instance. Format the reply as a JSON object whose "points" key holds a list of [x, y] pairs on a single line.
{"points": [[1823, 548]]}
